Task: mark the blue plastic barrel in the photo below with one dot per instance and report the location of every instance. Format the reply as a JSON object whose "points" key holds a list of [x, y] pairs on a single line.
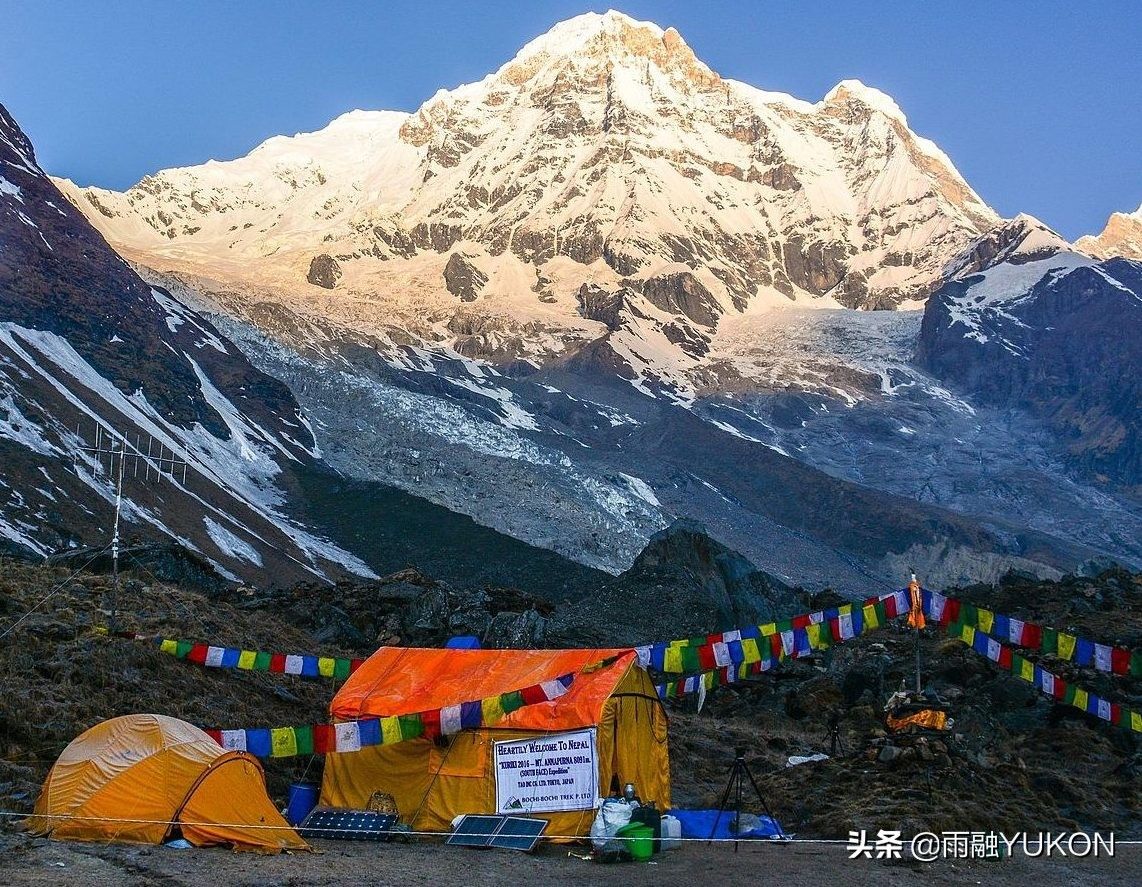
{"points": [[302, 798]]}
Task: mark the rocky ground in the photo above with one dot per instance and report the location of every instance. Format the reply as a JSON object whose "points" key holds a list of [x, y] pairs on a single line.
{"points": [[1013, 761], [39, 861]]}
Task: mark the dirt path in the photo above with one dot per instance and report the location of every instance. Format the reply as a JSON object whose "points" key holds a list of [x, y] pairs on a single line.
{"points": [[38, 861]]}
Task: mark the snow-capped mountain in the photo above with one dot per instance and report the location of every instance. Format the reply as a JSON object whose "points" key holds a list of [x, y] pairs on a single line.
{"points": [[90, 355], [605, 155], [1122, 236], [604, 287]]}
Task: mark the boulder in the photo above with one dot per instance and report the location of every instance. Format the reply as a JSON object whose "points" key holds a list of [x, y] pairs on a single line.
{"points": [[324, 271], [463, 278]]}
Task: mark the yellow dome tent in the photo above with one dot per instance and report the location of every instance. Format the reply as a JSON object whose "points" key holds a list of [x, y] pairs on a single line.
{"points": [[137, 778]]}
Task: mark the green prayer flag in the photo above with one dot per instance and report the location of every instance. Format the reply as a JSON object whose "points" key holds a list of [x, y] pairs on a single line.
{"points": [[690, 660], [262, 661], [341, 669], [182, 649], [1050, 641], [304, 740], [411, 726], [511, 701], [1136, 664]]}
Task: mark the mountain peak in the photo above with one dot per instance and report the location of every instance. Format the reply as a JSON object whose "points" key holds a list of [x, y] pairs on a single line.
{"points": [[1122, 236], [569, 36], [870, 96], [612, 37]]}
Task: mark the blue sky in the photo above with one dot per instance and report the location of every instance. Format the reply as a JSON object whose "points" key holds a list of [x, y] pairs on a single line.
{"points": [[1037, 103]]}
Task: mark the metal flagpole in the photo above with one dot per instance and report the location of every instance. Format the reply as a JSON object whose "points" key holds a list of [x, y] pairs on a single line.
{"points": [[115, 538], [916, 628]]}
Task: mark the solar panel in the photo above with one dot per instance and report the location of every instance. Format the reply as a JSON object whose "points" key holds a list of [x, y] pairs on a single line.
{"points": [[475, 831], [504, 832], [348, 825], [519, 833]]}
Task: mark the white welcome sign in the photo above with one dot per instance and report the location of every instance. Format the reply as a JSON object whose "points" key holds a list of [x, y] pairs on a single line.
{"points": [[547, 774]]}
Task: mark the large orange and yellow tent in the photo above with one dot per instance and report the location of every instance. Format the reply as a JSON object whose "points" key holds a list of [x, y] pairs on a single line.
{"points": [[435, 780], [140, 778]]}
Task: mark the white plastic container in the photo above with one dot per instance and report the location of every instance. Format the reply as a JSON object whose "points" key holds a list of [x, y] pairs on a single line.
{"points": [[671, 833]]}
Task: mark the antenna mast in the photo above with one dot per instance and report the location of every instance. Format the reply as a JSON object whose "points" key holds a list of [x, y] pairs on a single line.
{"points": [[117, 445]]}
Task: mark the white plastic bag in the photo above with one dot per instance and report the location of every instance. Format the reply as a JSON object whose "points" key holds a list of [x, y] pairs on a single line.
{"points": [[613, 815]]}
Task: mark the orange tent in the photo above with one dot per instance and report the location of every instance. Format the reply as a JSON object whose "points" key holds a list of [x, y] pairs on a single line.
{"points": [[139, 778], [612, 698]]}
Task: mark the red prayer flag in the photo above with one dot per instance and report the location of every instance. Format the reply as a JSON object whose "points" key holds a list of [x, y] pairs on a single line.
{"points": [[277, 662], [1115, 713], [800, 621], [706, 657], [1032, 636], [1005, 657], [354, 664], [1060, 688], [197, 654], [324, 739], [951, 611], [533, 694], [1119, 660], [216, 735], [431, 722]]}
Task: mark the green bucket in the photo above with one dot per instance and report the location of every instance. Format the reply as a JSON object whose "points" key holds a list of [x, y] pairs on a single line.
{"points": [[639, 840]]}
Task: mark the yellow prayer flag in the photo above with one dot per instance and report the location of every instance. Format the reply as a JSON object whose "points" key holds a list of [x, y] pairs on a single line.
{"points": [[870, 620], [492, 710], [246, 660], [767, 629], [325, 666], [283, 742], [1136, 721], [967, 635], [985, 620], [1027, 670], [390, 730], [750, 651], [672, 660], [813, 630], [1066, 645], [1081, 699], [169, 646]]}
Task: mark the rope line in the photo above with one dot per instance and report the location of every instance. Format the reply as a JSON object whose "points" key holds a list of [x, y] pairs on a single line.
{"points": [[411, 833]]}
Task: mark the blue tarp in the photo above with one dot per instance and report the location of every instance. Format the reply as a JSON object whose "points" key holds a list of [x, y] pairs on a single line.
{"points": [[463, 642], [699, 823]]}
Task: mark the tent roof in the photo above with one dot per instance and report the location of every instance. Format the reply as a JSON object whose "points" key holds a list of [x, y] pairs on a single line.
{"points": [[404, 680]]}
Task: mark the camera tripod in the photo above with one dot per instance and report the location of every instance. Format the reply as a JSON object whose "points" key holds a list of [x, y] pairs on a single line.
{"points": [[836, 744], [739, 773]]}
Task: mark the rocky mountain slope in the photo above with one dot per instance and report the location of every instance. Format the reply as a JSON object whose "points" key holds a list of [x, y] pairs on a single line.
{"points": [[1122, 237], [1050, 330], [91, 355]]}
